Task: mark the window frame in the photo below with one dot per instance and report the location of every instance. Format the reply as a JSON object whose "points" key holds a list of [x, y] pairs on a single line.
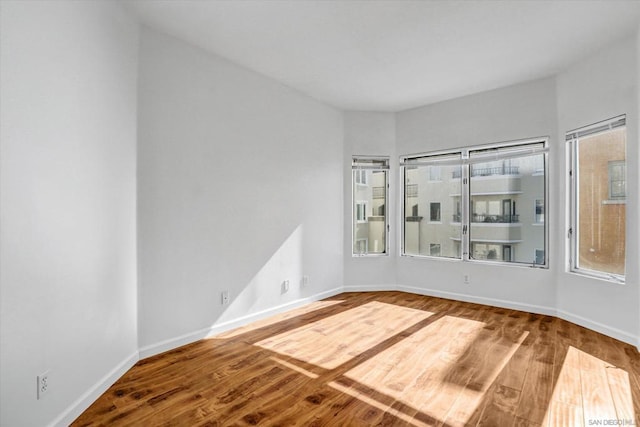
{"points": [[405, 163], [360, 164], [572, 139], [519, 148]]}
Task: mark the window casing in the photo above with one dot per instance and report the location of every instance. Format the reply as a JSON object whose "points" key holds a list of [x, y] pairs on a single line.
{"points": [[597, 195], [486, 186], [370, 194]]}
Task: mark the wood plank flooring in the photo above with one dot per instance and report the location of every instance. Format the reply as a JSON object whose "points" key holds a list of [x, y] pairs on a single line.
{"points": [[384, 358]]}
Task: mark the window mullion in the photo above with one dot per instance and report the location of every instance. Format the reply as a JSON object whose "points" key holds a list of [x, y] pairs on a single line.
{"points": [[466, 211]]}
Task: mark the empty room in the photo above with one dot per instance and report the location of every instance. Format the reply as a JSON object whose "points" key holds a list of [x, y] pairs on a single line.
{"points": [[319, 213]]}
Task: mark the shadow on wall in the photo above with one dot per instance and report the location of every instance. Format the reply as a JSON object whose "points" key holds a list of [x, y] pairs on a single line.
{"points": [[279, 280]]}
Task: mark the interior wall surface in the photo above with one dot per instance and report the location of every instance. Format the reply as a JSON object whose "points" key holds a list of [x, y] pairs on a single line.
{"points": [[370, 134], [68, 303], [600, 87], [240, 190]]}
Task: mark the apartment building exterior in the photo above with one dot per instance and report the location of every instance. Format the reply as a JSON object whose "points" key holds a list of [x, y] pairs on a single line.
{"points": [[506, 216], [369, 211]]}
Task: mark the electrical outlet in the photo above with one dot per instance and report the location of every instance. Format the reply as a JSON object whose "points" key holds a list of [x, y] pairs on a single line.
{"points": [[305, 281], [224, 297], [466, 279], [285, 286], [43, 384]]}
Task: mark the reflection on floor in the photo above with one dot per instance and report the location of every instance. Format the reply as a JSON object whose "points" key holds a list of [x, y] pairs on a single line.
{"points": [[385, 358]]}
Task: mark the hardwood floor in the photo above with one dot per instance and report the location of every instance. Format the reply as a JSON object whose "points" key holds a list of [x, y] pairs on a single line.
{"points": [[384, 358]]}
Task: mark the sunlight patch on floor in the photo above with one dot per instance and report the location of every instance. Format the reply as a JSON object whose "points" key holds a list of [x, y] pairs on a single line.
{"points": [[590, 391], [332, 341], [442, 371]]}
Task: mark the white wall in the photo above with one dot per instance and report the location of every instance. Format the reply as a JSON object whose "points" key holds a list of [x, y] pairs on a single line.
{"points": [[600, 87], [517, 112], [240, 188], [68, 299], [369, 133]]}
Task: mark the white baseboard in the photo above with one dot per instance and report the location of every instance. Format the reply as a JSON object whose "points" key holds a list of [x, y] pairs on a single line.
{"points": [[600, 327], [495, 302], [369, 288], [169, 344], [91, 395]]}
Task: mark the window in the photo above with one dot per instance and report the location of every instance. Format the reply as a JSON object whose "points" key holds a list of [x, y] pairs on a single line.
{"points": [[539, 256], [434, 249], [421, 235], [435, 212], [369, 194], [360, 177], [485, 251], [539, 211], [361, 211], [617, 180], [597, 176], [502, 178], [361, 247], [486, 186], [457, 214], [434, 173]]}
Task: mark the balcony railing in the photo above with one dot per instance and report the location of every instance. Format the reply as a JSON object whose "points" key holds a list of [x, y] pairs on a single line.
{"points": [[411, 190], [500, 170], [499, 219], [378, 192]]}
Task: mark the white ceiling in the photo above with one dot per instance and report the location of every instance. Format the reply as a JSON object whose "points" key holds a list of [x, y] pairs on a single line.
{"points": [[395, 55]]}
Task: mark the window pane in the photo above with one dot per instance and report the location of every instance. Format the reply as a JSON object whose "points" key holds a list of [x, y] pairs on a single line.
{"points": [[600, 209], [369, 209], [498, 230], [539, 215], [431, 207], [434, 173], [435, 211], [617, 179]]}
